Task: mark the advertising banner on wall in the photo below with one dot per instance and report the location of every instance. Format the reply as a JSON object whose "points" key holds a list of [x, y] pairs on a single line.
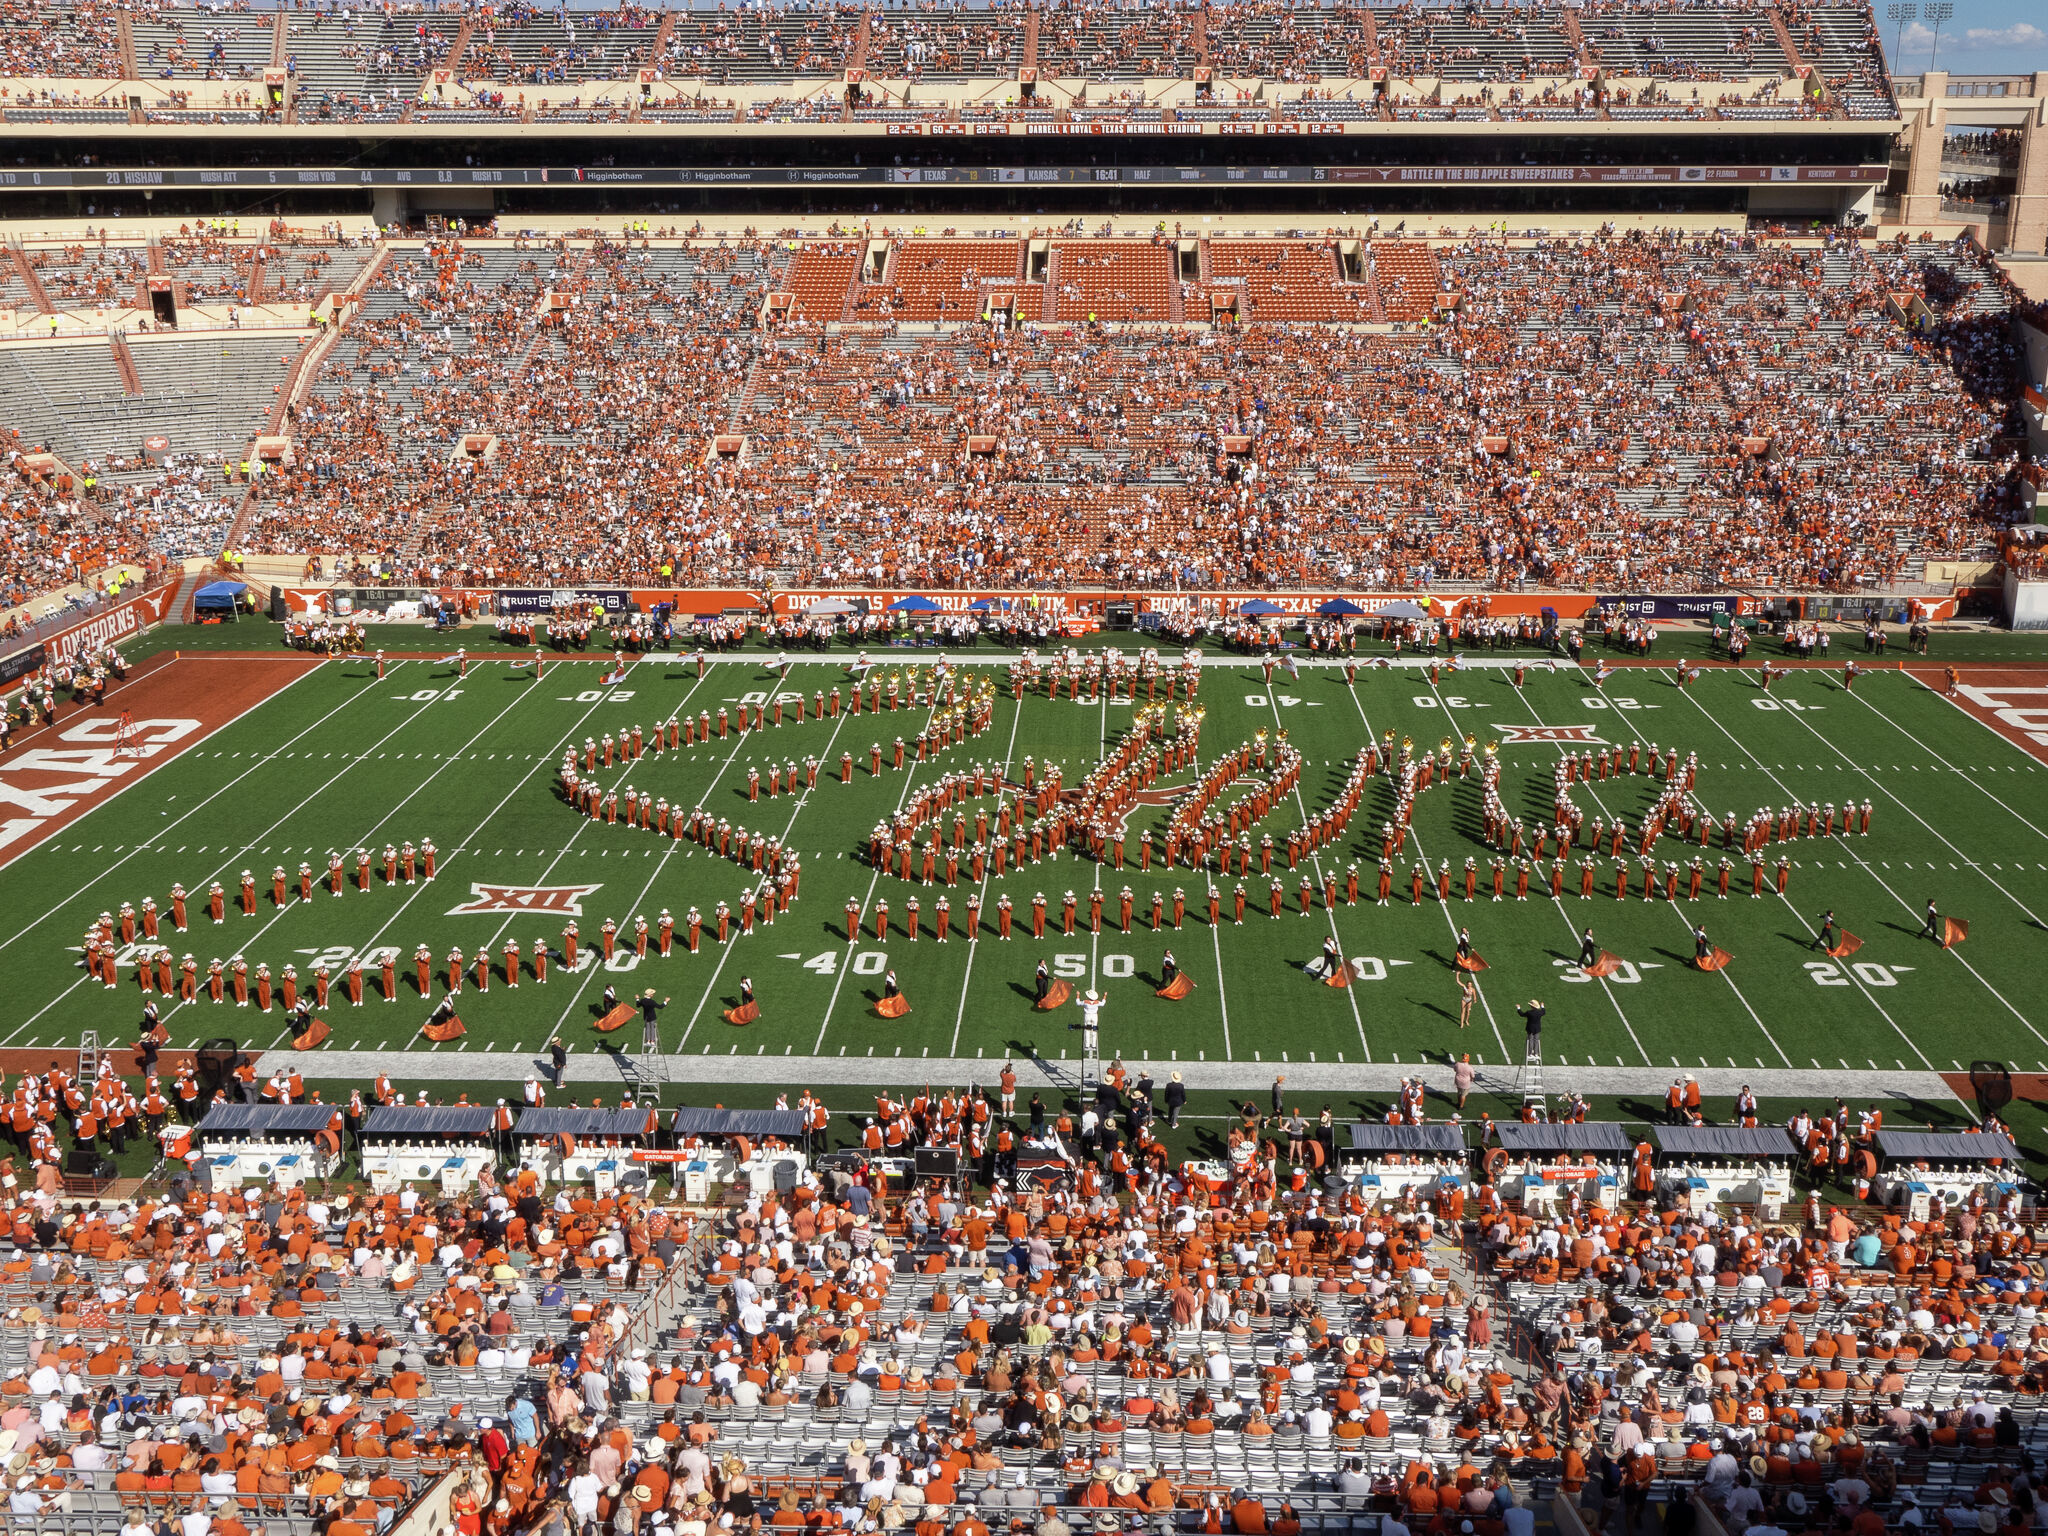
{"points": [[14, 668], [109, 626], [1689, 606], [1568, 605], [540, 601]]}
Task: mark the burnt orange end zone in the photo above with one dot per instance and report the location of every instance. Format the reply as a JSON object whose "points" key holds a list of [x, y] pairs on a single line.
{"points": [[2013, 701], [173, 704]]}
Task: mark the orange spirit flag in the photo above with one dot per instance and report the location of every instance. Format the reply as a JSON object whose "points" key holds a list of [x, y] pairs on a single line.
{"points": [[316, 1034]]}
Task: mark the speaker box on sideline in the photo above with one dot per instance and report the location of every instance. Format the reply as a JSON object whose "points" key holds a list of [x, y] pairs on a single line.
{"points": [[213, 1062], [88, 1163], [938, 1163]]}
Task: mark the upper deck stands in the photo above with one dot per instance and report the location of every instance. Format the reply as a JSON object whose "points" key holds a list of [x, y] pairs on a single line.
{"points": [[1111, 280], [1628, 372], [966, 59], [207, 46], [759, 44], [551, 50], [821, 282], [941, 280], [954, 43], [1408, 277], [79, 43]]}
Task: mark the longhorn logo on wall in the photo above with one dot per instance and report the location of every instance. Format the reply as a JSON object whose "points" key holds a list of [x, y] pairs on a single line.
{"points": [[565, 899], [1516, 735]]}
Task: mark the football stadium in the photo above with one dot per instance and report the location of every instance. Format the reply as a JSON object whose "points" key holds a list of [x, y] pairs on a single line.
{"points": [[764, 749]]}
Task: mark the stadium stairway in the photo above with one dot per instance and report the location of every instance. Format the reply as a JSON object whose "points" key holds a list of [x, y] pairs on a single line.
{"points": [[180, 609]]}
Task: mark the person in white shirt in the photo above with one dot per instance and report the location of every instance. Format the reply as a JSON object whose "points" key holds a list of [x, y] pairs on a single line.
{"points": [[638, 1376], [1722, 1467], [88, 1455], [1743, 1501], [583, 1491]]}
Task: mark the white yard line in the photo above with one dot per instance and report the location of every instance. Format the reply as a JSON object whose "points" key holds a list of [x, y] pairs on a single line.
{"points": [[1962, 858], [583, 823], [1508, 1062], [1684, 921], [370, 837], [866, 901], [803, 799], [1570, 927], [1094, 934], [1966, 861], [186, 816], [974, 939], [1862, 862], [1961, 774], [1316, 858], [1964, 774], [518, 783], [199, 890], [625, 771]]}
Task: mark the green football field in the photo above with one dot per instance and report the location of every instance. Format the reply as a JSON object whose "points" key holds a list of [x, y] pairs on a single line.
{"points": [[339, 760]]}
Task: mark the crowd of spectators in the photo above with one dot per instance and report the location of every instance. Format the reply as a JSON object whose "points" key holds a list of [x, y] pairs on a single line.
{"points": [[1129, 1346], [1655, 410], [350, 63], [1665, 411], [82, 42]]}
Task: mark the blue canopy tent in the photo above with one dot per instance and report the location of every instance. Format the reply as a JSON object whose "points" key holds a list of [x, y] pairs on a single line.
{"points": [[1259, 608], [913, 604], [983, 606], [218, 599], [1341, 608]]}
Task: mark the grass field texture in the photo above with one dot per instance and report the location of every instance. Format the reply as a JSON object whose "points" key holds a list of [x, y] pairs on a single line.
{"points": [[338, 760]]}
